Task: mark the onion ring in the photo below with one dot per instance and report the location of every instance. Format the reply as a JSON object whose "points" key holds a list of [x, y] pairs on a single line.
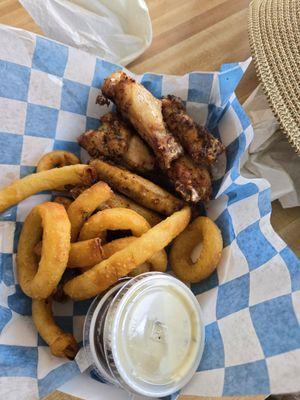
{"points": [[61, 344], [85, 254], [64, 201], [82, 254], [117, 200], [107, 272], [88, 253], [85, 204], [56, 159], [45, 180], [139, 189], [157, 262], [113, 219], [50, 221], [192, 267]]}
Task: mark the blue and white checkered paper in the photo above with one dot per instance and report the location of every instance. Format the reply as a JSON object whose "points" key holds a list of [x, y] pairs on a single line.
{"points": [[251, 304]]}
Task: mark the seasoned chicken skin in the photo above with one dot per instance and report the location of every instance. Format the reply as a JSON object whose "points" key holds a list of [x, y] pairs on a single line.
{"points": [[191, 181], [117, 141], [201, 145], [144, 111]]}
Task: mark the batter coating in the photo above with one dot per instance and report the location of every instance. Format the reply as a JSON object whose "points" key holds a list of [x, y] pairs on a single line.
{"points": [[56, 159], [61, 344], [197, 251], [50, 222]]}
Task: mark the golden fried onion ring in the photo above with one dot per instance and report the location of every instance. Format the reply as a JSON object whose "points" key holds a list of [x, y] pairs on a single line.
{"points": [[82, 254], [202, 236], [61, 344], [113, 219], [85, 254], [90, 252], [45, 180], [157, 262], [117, 200], [56, 159], [50, 222], [139, 189], [107, 272], [85, 204]]}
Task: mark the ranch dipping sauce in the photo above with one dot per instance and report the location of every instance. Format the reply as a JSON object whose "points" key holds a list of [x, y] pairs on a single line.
{"points": [[145, 335]]}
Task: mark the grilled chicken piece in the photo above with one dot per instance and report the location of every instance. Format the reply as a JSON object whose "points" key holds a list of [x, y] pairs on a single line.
{"points": [[143, 110], [201, 145], [117, 141], [191, 181]]}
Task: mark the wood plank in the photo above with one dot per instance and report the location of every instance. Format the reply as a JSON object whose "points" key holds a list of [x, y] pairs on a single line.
{"points": [[12, 13], [222, 398], [205, 50], [182, 13], [200, 22], [200, 53], [58, 395]]}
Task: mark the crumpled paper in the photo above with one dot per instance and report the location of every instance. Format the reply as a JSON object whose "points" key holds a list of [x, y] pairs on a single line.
{"points": [[270, 155], [118, 30]]}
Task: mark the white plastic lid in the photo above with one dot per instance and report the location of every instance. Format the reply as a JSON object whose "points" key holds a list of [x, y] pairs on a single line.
{"points": [[154, 335]]}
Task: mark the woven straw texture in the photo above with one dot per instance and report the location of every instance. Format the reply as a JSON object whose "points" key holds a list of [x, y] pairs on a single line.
{"points": [[274, 33]]}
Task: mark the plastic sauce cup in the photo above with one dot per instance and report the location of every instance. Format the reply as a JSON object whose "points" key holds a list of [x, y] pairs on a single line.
{"points": [[145, 335]]}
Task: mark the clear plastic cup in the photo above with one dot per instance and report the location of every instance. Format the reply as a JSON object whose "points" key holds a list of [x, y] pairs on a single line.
{"points": [[145, 335]]}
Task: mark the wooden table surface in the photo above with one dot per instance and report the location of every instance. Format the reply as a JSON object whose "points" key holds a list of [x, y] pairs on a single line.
{"points": [[189, 35]]}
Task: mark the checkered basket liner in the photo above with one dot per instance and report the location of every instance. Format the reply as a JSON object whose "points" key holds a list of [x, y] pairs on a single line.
{"points": [[251, 304]]}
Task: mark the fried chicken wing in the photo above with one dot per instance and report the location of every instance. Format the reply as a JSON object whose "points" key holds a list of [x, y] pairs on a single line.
{"points": [[125, 147], [191, 181], [117, 141], [199, 143], [143, 110]]}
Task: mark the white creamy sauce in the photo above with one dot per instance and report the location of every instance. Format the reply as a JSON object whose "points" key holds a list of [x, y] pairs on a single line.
{"points": [[160, 340]]}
